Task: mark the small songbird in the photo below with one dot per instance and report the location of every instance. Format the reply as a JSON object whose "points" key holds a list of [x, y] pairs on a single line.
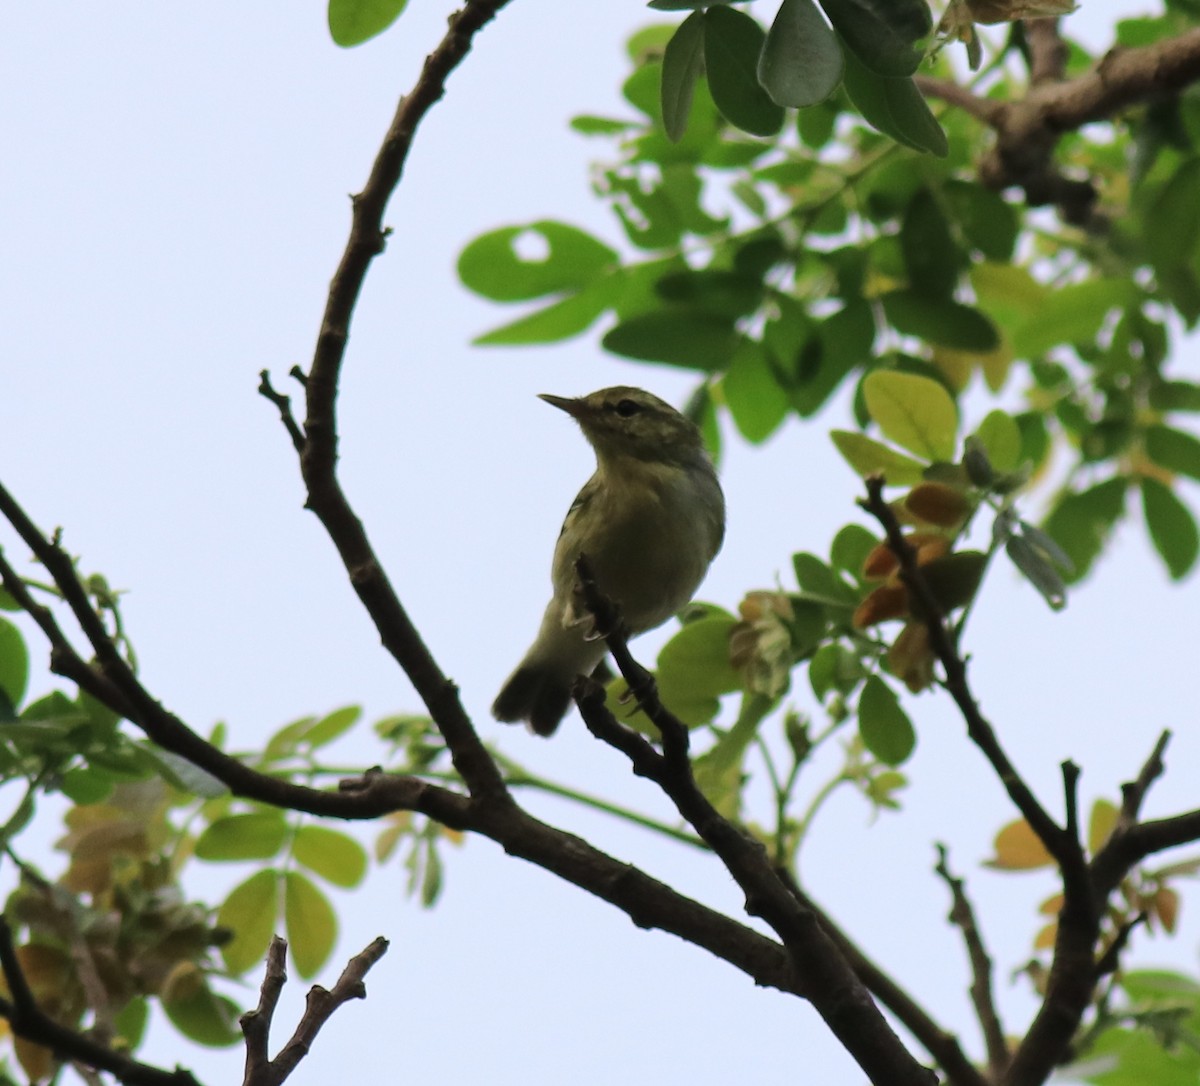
{"points": [[649, 521]]}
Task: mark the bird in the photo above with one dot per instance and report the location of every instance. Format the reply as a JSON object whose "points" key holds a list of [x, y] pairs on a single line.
{"points": [[649, 522]]}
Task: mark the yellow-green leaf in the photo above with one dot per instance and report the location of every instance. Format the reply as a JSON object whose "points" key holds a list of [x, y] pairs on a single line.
{"points": [[915, 412], [250, 912], [1018, 848], [333, 855], [869, 457], [257, 836], [311, 924], [1001, 439]]}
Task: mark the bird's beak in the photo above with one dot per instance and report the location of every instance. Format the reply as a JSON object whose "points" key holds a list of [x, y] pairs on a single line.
{"points": [[573, 407]]}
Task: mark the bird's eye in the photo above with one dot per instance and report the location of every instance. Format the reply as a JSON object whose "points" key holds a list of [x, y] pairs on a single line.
{"points": [[627, 408]]}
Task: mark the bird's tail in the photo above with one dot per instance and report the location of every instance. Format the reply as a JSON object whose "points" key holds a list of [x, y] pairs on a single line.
{"points": [[534, 694]]}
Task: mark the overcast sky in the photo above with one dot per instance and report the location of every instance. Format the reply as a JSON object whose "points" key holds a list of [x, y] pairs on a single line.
{"points": [[174, 184]]}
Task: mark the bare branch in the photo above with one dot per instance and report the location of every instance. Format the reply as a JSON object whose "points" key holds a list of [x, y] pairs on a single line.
{"points": [[939, 1042], [1028, 129], [319, 1008], [1071, 981], [823, 975], [1048, 51], [318, 450], [986, 110], [1057, 842], [284, 405], [962, 915]]}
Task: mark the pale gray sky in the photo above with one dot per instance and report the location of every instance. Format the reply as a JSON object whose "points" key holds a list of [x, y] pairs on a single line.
{"points": [[175, 184]]}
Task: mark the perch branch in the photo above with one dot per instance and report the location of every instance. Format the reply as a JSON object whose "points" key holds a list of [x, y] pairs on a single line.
{"points": [[825, 977]]}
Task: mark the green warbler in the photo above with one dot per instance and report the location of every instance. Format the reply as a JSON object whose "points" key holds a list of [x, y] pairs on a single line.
{"points": [[649, 521]]}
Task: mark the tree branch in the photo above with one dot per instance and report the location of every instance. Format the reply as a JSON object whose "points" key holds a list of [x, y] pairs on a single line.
{"points": [[1058, 843], [939, 1042], [1028, 129], [318, 454], [1072, 979], [319, 1008], [824, 976], [962, 915]]}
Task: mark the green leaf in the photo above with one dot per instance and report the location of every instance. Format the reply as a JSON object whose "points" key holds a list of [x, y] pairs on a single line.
{"points": [[182, 774], [819, 583], [1000, 437], [842, 341], [718, 771], [1073, 314], [311, 924], [328, 728], [718, 293], [1081, 523], [696, 659], [1172, 222], [753, 394], [986, 219], [86, 785], [697, 341], [683, 61], [885, 728], [14, 664], [257, 836], [834, 667], [883, 34], [492, 266], [869, 457], [915, 412], [895, 107], [732, 44], [801, 61], [130, 1022], [352, 22], [940, 320], [850, 548], [250, 912], [1172, 528], [205, 1017], [1174, 450], [567, 317], [1008, 292], [7, 603], [1037, 568], [335, 856], [931, 256]]}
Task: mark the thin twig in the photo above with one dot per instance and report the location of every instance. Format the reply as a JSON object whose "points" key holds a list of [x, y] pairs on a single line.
{"points": [[962, 915], [319, 1007], [1111, 958], [284, 405], [981, 733]]}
